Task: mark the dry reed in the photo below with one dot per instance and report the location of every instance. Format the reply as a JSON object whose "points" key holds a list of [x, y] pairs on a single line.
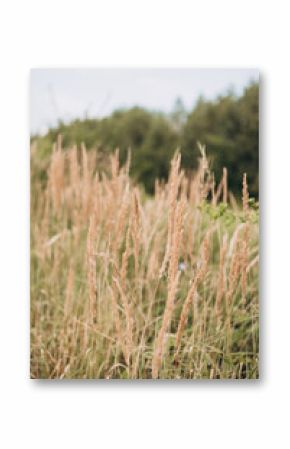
{"points": [[124, 285]]}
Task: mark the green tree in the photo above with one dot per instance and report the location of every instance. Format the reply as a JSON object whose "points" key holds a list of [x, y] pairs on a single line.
{"points": [[228, 126]]}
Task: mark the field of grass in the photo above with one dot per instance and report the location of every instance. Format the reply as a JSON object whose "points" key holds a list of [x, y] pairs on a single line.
{"points": [[127, 286]]}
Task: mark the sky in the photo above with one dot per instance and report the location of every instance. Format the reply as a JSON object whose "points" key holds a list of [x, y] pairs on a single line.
{"points": [[66, 94]]}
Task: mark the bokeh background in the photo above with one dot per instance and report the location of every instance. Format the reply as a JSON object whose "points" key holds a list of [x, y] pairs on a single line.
{"points": [[152, 112]]}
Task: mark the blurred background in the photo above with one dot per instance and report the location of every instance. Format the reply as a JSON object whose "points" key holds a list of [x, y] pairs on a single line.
{"points": [[153, 112]]}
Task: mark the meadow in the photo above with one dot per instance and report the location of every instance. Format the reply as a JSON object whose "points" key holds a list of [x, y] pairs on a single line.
{"points": [[130, 286]]}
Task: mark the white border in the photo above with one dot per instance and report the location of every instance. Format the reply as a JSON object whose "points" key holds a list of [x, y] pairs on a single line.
{"points": [[152, 33]]}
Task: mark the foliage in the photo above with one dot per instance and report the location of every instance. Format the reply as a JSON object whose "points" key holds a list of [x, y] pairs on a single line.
{"points": [[228, 126]]}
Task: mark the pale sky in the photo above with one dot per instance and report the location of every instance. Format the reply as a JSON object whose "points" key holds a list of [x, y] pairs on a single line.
{"points": [[75, 93]]}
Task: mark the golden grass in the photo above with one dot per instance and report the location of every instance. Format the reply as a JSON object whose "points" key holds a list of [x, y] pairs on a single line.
{"points": [[129, 286]]}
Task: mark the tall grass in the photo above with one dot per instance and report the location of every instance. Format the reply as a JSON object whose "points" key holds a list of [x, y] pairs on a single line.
{"points": [[134, 287]]}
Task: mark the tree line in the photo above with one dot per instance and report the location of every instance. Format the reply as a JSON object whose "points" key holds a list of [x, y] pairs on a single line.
{"points": [[228, 126]]}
